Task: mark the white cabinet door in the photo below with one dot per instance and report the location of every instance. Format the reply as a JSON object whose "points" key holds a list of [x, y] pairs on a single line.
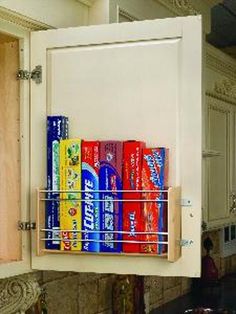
{"points": [[139, 80]]}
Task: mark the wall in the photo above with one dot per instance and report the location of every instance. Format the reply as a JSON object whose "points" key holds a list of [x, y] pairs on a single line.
{"points": [[92, 293], [72, 293], [56, 13]]}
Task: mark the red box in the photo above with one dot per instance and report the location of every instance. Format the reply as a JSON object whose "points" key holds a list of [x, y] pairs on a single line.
{"points": [[154, 177], [132, 180], [90, 154]]}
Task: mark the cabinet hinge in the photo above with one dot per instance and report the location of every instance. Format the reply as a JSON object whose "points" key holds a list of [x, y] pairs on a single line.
{"points": [[26, 225], [185, 242], [35, 75]]}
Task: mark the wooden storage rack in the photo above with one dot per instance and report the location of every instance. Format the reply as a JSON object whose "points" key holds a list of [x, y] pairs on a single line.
{"points": [[173, 232]]}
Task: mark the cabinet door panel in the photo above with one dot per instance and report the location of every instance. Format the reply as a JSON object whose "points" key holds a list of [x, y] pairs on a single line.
{"points": [[139, 80], [220, 169]]}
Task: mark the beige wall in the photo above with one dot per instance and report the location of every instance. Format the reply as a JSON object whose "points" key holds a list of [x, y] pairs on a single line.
{"points": [[56, 13]]}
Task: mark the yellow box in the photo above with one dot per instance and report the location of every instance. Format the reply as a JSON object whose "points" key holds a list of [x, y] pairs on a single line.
{"points": [[70, 179]]}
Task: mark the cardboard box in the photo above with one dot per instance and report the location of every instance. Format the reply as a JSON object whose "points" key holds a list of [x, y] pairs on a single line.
{"points": [[110, 179], [70, 179], [57, 129], [132, 180], [154, 177], [90, 204]]}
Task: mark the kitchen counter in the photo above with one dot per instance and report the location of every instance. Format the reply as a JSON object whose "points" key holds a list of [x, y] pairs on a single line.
{"points": [[222, 296]]}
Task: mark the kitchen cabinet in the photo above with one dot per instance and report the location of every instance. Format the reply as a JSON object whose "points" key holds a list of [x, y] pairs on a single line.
{"points": [[119, 81], [220, 164], [219, 137], [219, 140]]}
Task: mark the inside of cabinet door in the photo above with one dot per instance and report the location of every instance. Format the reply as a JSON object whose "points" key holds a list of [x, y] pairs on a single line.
{"points": [[10, 237]]}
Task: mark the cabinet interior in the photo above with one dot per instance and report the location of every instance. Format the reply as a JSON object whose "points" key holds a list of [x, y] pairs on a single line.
{"points": [[10, 159]]}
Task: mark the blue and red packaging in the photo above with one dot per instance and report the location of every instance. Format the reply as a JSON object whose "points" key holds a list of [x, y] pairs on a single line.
{"points": [[110, 180], [90, 196]]}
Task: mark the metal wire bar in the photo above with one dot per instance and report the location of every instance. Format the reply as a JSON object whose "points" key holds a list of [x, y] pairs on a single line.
{"points": [[100, 200], [103, 191], [103, 241], [103, 231]]}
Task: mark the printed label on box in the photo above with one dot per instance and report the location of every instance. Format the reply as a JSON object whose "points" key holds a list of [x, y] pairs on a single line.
{"points": [[57, 129], [90, 204], [154, 176], [132, 211], [110, 177], [70, 179]]}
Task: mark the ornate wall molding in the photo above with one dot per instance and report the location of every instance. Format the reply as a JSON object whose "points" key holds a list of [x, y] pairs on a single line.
{"points": [[224, 90], [22, 20], [179, 7], [18, 294], [126, 14], [220, 62], [185, 6]]}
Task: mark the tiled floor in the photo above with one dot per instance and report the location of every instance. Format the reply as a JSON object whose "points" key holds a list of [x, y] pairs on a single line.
{"points": [[223, 296]]}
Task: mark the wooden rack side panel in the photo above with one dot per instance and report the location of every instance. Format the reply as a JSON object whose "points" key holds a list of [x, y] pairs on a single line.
{"points": [[174, 224], [40, 224]]}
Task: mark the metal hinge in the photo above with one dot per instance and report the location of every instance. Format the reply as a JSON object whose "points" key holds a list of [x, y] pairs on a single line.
{"points": [[185, 242], [35, 75], [185, 202], [26, 225]]}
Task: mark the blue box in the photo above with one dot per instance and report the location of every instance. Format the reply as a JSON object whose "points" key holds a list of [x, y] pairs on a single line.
{"points": [[90, 204], [57, 129], [110, 179]]}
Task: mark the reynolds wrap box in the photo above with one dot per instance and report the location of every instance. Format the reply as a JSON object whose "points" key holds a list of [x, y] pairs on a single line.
{"points": [[110, 177], [57, 129], [90, 204], [132, 180], [70, 179], [154, 177]]}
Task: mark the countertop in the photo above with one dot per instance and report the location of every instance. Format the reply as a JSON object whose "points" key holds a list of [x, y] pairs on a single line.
{"points": [[222, 296]]}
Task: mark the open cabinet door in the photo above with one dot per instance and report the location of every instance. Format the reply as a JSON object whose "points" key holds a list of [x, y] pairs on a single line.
{"points": [[139, 80], [15, 257]]}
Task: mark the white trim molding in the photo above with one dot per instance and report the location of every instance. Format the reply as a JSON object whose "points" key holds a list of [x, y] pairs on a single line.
{"points": [[18, 294], [22, 20]]}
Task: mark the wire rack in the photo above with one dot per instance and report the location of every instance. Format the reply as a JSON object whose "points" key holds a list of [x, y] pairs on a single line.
{"points": [[170, 238]]}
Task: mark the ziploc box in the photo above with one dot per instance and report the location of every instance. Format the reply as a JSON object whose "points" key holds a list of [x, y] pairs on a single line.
{"points": [[154, 177], [70, 180], [110, 177], [132, 180], [57, 129], [90, 196]]}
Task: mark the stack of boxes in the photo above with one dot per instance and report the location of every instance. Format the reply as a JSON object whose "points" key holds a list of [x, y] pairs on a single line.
{"points": [[99, 181]]}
